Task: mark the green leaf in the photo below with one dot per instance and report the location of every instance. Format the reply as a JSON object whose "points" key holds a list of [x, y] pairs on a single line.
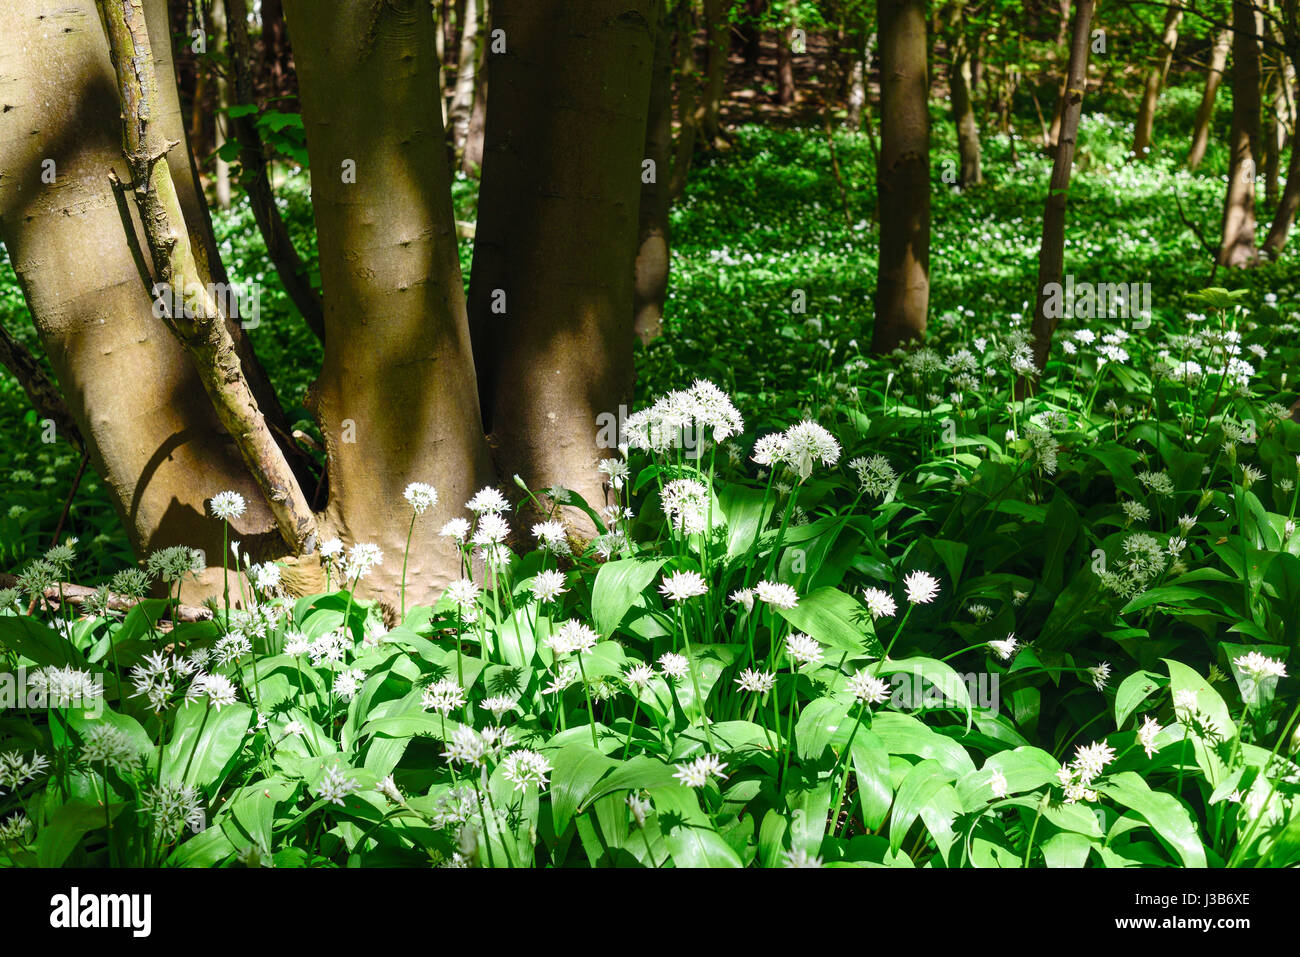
{"points": [[1164, 812], [835, 619], [204, 742], [918, 789], [618, 585], [1132, 691], [575, 770], [67, 826], [687, 831], [940, 675]]}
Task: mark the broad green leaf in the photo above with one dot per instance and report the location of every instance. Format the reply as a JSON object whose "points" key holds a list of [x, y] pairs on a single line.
{"points": [[836, 619], [618, 585]]}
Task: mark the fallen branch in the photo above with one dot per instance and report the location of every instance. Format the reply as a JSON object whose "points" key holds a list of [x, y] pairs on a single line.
{"points": [[77, 596]]}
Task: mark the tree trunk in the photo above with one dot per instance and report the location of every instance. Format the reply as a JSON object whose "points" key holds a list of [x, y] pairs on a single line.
{"points": [[396, 397], [715, 81], [1155, 82], [785, 90], [1205, 112], [279, 245], [652, 256], [551, 292], [217, 39], [756, 10], [963, 112], [1289, 203], [1051, 255], [857, 92], [1271, 135], [277, 57], [467, 64], [688, 96], [903, 176], [199, 318], [160, 449], [1237, 247]]}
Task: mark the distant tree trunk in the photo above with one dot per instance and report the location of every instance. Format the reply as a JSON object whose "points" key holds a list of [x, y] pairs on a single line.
{"points": [[1155, 82], [552, 283], [1271, 136], [1051, 255], [467, 65], [252, 157], [156, 441], [963, 111], [785, 89], [857, 92], [218, 41], [1237, 247], [653, 242], [277, 58], [903, 176], [757, 10], [396, 398], [1205, 112], [688, 95], [1289, 203], [715, 78]]}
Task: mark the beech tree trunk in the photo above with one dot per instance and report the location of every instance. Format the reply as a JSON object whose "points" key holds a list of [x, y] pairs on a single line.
{"points": [[653, 243], [1051, 255], [785, 90], [688, 97], [1205, 112], [149, 439], [1289, 203], [715, 78], [252, 157], [1155, 83], [1237, 247], [552, 284], [963, 111], [903, 176], [467, 65], [396, 398]]}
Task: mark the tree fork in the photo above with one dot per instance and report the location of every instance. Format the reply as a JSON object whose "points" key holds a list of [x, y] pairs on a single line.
{"points": [[198, 322]]}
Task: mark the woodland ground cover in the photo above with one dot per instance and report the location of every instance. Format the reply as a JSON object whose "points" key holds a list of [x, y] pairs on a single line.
{"points": [[927, 625]]}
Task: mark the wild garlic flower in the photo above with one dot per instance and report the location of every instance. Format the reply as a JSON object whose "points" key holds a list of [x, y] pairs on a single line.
{"points": [[572, 637], [109, 746], [638, 675], [868, 689], [697, 773], [553, 537], [421, 497], [1146, 735], [499, 705], [227, 506], [1257, 666], [682, 585], [363, 557], [798, 447], [444, 696], [232, 647], [524, 767], [15, 770], [66, 687], [616, 471], [686, 505], [880, 603], [218, 689], [777, 594], [488, 501], [348, 683], [922, 587], [1004, 648], [457, 529], [335, 787], [548, 585], [803, 649], [674, 665], [173, 808], [759, 682], [998, 783], [743, 597], [1100, 675]]}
